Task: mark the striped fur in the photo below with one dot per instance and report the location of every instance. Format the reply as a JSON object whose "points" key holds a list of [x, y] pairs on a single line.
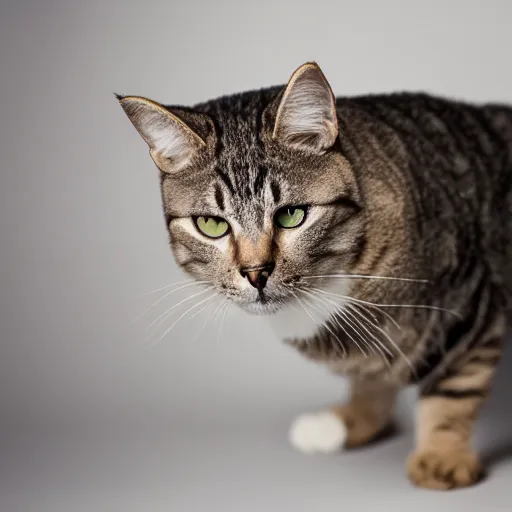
{"points": [[410, 186]]}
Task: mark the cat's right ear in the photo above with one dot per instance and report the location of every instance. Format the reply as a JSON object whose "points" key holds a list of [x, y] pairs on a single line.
{"points": [[171, 141], [306, 118]]}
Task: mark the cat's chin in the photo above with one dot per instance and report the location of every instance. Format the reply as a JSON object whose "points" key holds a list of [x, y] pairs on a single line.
{"points": [[260, 309]]}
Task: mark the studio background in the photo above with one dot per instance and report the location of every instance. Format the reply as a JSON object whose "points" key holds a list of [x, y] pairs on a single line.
{"points": [[92, 419]]}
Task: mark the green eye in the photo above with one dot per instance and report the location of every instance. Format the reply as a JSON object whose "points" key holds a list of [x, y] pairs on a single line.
{"points": [[213, 227], [290, 216]]}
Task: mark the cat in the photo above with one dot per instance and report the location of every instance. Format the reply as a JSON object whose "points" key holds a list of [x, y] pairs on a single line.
{"points": [[376, 233]]}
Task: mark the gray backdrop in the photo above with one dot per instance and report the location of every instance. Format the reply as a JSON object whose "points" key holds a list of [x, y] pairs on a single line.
{"points": [[92, 418]]}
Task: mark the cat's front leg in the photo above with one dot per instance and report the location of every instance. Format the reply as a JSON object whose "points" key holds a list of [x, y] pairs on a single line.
{"points": [[447, 411], [363, 418]]}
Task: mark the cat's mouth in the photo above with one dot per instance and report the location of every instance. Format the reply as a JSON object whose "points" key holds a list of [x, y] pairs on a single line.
{"points": [[265, 301]]}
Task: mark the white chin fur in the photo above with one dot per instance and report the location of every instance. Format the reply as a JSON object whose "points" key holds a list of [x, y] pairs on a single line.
{"points": [[261, 309], [322, 432], [293, 322]]}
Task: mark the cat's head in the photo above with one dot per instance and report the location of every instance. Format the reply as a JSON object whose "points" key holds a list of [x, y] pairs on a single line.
{"points": [[257, 194]]}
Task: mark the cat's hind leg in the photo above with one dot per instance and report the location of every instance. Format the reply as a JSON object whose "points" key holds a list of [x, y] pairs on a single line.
{"points": [[366, 415], [447, 412]]}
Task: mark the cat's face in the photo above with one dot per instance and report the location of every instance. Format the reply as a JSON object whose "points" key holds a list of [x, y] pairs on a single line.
{"points": [[257, 197]]}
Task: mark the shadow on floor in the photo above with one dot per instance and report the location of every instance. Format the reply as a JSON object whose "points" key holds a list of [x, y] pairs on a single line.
{"points": [[494, 430]]}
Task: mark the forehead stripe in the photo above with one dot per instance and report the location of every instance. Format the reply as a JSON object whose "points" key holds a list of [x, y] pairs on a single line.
{"points": [[276, 191], [259, 181], [219, 196], [227, 181]]}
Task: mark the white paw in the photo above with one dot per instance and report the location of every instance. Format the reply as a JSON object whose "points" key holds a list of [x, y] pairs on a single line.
{"points": [[319, 432]]}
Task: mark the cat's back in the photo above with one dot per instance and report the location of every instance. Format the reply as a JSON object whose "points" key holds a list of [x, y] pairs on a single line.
{"points": [[459, 159], [454, 144], [441, 124]]}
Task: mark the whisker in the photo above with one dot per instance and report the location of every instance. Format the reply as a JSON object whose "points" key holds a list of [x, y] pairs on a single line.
{"points": [[180, 317], [394, 345], [307, 312], [208, 318], [349, 317], [380, 346], [411, 306], [217, 311], [147, 310], [353, 310], [321, 323], [223, 318], [174, 284], [368, 276], [370, 305], [200, 311], [339, 324], [374, 340], [370, 310], [165, 313], [340, 317]]}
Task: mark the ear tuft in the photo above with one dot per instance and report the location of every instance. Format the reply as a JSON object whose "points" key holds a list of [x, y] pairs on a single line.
{"points": [[172, 142], [306, 117]]}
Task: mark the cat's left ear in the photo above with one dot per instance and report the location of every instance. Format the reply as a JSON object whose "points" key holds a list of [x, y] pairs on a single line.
{"points": [[306, 117], [172, 142]]}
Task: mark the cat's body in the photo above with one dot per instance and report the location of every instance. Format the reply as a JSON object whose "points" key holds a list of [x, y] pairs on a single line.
{"points": [[456, 162], [399, 270]]}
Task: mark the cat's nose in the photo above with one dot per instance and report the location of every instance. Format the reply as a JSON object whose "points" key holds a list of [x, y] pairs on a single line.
{"points": [[258, 276]]}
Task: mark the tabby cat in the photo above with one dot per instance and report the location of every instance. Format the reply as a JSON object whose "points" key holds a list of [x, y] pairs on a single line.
{"points": [[374, 231]]}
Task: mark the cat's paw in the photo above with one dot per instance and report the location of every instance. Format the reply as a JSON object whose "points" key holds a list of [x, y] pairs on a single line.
{"points": [[322, 432], [444, 469]]}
